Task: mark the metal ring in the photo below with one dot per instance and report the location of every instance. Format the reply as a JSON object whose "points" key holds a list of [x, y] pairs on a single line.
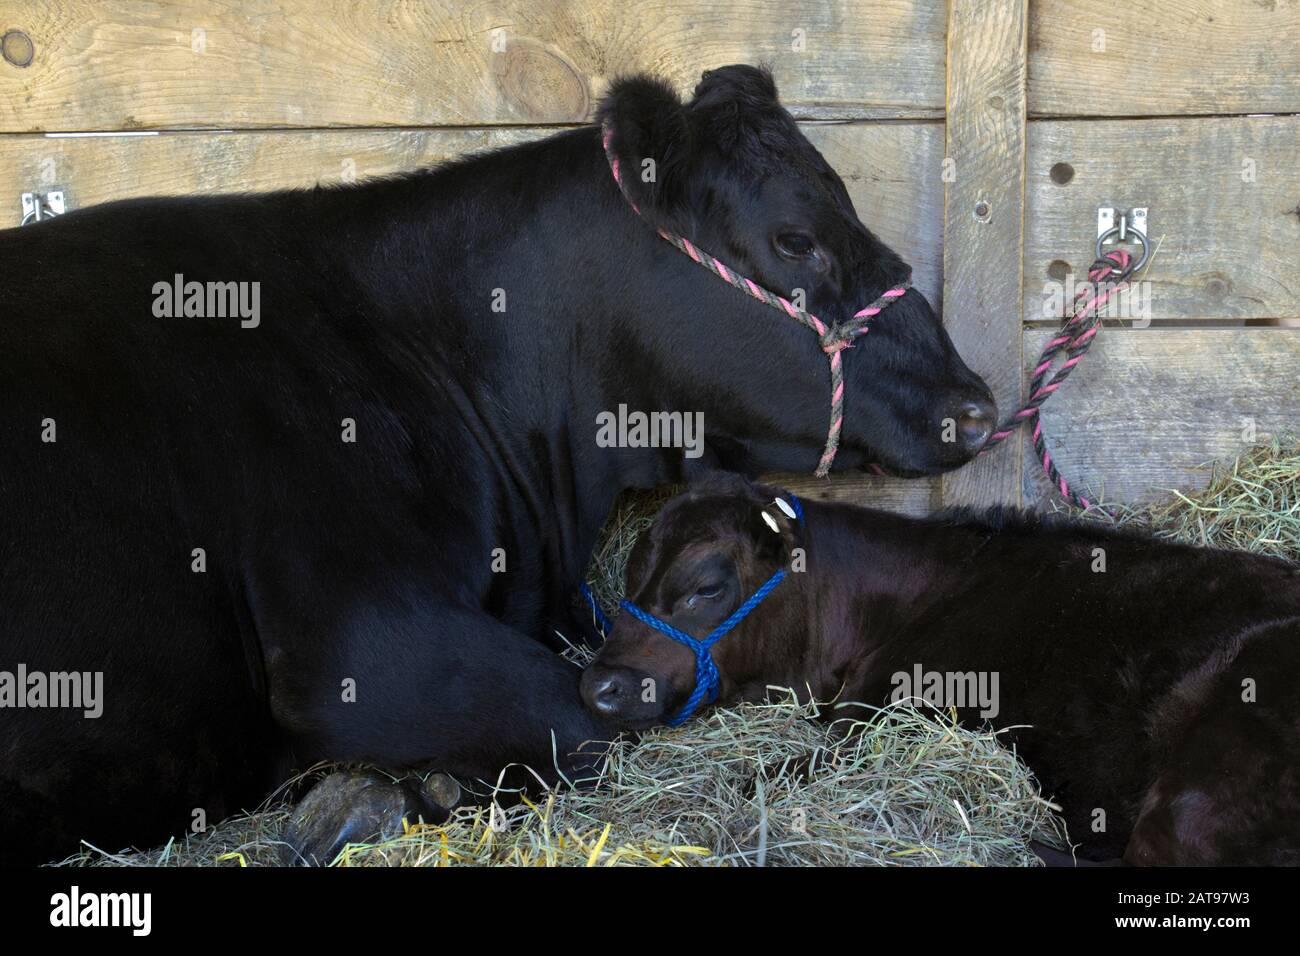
{"points": [[1137, 234]]}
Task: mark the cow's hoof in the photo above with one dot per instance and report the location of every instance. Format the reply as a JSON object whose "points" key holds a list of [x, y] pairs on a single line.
{"points": [[346, 807], [443, 792]]}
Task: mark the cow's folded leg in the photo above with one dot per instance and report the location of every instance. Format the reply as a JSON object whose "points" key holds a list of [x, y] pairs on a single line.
{"points": [[437, 687]]}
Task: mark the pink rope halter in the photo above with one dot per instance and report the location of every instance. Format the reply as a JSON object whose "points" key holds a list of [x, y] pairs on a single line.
{"points": [[833, 339]]}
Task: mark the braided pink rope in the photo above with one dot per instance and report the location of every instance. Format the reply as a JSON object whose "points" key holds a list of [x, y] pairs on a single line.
{"points": [[1078, 331], [833, 339]]}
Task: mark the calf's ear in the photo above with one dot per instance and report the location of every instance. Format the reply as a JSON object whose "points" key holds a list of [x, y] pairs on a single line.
{"points": [[773, 533], [651, 136]]}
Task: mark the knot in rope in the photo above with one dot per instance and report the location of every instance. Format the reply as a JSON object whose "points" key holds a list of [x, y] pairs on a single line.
{"points": [[834, 341]]}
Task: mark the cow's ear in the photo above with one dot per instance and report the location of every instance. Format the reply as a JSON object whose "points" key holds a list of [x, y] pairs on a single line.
{"points": [[651, 136], [725, 97]]}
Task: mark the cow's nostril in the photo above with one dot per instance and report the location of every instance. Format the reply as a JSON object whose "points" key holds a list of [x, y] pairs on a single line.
{"points": [[975, 424]]}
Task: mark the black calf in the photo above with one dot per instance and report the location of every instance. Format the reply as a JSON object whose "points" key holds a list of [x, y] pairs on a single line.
{"points": [[1154, 688]]}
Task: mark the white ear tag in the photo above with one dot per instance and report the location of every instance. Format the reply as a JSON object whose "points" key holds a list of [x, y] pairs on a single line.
{"points": [[785, 507], [771, 522]]}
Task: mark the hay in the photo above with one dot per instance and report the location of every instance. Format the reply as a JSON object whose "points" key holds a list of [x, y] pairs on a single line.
{"points": [[633, 513], [1249, 504], [748, 785], [245, 840], [763, 784]]}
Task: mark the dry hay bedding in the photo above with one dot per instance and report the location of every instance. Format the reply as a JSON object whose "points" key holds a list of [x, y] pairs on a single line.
{"points": [[762, 784]]}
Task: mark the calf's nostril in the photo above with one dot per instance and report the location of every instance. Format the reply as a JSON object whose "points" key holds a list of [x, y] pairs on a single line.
{"points": [[607, 695], [975, 423]]}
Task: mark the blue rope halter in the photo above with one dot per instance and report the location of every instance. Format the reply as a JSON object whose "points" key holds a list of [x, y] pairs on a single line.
{"points": [[707, 680], [602, 620], [706, 672]]}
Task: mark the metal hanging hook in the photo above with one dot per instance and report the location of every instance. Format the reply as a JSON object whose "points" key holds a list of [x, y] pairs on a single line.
{"points": [[1131, 225]]}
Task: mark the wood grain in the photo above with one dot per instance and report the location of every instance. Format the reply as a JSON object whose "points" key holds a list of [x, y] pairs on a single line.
{"points": [[1224, 200], [892, 172], [984, 220], [890, 169], [1148, 407], [1163, 57], [135, 64], [98, 169], [918, 496]]}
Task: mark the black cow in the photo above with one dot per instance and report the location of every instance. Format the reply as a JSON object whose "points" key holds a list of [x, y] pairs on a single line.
{"points": [[346, 522], [1152, 687]]}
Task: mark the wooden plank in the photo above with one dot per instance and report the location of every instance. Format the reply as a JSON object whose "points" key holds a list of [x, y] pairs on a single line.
{"points": [[1146, 407], [98, 169], [131, 64], [1224, 197], [888, 171], [878, 161], [917, 496], [1163, 57], [984, 220]]}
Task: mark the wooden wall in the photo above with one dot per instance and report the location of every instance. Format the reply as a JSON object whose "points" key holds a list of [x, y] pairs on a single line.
{"points": [[1186, 106]]}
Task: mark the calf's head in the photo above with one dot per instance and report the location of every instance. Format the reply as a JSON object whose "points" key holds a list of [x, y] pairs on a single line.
{"points": [[707, 552], [731, 171]]}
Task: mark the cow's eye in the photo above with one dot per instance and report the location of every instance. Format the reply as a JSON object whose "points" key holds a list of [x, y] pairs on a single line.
{"points": [[794, 245]]}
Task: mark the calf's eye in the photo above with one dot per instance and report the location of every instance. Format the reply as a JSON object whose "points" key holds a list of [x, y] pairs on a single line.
{"points": [[794, 245], [706, 593]]}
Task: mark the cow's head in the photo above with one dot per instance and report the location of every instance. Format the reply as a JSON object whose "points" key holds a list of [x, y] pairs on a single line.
{"points": [[732, 172], [707, 552]]}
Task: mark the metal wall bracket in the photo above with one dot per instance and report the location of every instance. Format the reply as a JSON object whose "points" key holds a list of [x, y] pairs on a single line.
{"points": [[1108, 217], [37, 207], [1130, 227]]}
